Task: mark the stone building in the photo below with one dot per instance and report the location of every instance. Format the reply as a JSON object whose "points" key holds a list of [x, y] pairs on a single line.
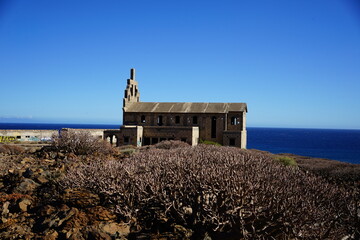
{"points": [[146, 123]]}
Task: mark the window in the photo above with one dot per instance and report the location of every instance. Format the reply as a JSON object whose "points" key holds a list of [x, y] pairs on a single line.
{"points": [[177, 119], [126, 139], [213, 127], [146, 141], [232, 142], [234, 121], [183, 139], [143, 120], [160, 120], [195, 120], [155, 140]]}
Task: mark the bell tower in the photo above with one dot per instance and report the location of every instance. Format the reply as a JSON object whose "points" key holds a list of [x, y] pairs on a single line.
{"points": [[131, 93]]}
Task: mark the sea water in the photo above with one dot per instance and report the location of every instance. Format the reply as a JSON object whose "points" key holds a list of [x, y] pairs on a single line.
{"points": [[342, 145], [336, 144]]}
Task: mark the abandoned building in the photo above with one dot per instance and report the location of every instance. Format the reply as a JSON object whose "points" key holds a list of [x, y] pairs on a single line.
{"points": [[146, 123]]}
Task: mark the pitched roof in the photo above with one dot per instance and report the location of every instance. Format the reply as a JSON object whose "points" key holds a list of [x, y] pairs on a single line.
{"points": [[185, 107]]}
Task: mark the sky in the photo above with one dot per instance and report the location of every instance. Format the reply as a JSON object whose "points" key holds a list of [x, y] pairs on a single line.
{"points": [[295, 63]]}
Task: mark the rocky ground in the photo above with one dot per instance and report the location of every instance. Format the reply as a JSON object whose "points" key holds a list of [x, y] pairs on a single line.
{"points": [[32, 207]]}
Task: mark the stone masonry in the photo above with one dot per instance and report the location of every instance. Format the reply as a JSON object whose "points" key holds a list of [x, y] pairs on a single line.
{"points": [[146, 123]]}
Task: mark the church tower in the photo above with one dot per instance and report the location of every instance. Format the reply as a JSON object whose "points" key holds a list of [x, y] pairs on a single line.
{"points": [[132, 93]]}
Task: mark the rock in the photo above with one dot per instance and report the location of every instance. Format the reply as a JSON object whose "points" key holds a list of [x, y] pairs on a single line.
{"points": [[73, 234], [68, 215], [78, 221], [26, 186], [32, 150], [187, 210], [42, 179], [52, 155], [47, 210], [26, 160], [7, 224], [97, 234], [80, 198], [100, 213], [5, 209], [57, 218], [183, 232], [71, 156], [23, 204], [49, 161], [51, 235], [115, 229], [28, 173]]}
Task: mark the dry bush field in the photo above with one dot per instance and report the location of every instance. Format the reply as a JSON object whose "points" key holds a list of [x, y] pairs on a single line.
{"points": [[224, 192]]}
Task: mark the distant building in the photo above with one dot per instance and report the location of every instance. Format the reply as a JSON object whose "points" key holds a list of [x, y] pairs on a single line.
{"points": [[146, 123]]}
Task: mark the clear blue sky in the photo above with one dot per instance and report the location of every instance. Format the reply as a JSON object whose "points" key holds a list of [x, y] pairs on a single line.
{"points": [[295, 63]]}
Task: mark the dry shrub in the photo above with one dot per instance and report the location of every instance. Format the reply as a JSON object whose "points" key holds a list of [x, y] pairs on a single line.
{"points": [[287, 161], [335, 171], [170, 144], [11, 149], [220, 190], [80, 143]]}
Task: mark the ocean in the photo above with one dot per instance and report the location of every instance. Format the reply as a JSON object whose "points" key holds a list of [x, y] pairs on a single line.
{"points": [[341, 145]]}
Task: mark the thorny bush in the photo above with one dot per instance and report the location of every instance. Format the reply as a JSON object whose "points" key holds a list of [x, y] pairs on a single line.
{"points": [[170, 144], [11, 149], [80, 143], [220, 190]]}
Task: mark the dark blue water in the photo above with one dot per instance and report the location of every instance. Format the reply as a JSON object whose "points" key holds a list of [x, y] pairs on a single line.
{"points": [[342, 145], [56, 126]]}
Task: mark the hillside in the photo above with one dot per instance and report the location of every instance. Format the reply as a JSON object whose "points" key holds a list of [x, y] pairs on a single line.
{"points": [[172, 191]]}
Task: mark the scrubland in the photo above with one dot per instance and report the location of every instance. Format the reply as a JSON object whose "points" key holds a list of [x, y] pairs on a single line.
{"points": [[82, 188]]}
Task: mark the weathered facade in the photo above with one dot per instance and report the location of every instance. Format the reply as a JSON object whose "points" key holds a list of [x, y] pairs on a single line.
{"points": [[29, 135], [146, 123]]}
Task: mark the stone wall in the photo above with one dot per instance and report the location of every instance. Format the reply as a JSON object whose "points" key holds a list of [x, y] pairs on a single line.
{"points": [[99, 133], [155, 134], [10, 135], [223, 121], [7, 136]]}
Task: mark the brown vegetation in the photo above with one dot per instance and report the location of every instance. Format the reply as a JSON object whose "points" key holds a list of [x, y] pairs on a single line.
{"points": [[80, 143], [334, 171], [170, 191], [219, 191], [11, 149]]}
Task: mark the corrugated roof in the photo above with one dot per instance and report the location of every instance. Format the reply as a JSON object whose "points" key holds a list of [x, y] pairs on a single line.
{"points": [[186, 107]]}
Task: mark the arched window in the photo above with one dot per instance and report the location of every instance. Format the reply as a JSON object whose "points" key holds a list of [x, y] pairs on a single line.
{"points": [[143, 119], [234, 121]]}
